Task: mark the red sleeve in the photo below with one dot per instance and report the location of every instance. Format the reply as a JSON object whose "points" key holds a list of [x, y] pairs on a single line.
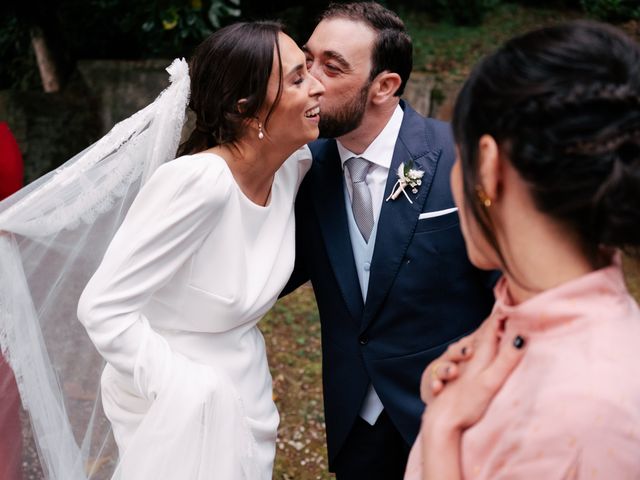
{"points": [[11, 169]]}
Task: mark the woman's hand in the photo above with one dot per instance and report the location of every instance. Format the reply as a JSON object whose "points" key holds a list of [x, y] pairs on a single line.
{"points": [[463, 403], [465, 400], [445, 368]]}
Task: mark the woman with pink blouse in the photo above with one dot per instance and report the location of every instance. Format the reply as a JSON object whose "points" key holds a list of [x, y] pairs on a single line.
{"points": [[548, 188]]}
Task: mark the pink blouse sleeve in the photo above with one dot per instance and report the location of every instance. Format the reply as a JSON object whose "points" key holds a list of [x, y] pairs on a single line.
{"points": [[567, 441]]}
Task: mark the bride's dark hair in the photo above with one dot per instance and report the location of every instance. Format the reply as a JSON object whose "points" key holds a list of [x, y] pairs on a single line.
{"points": [[232, 64], [563, 102]]}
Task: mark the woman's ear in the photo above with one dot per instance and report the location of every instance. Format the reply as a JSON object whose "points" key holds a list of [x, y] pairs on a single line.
{"points": [[385, 86], [489, 167], [241, 105]]}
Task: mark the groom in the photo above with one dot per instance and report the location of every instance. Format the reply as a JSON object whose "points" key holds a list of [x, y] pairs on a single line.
{"points": [[390, 272]]}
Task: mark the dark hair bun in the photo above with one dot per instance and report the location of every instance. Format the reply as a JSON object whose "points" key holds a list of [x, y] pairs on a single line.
{"points": [[616, 219]]}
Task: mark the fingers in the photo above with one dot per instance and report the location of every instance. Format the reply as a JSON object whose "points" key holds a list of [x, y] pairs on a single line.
{"points": [[507, 358], [460, 351], [444, 370], [434, 378], [488, 340]]}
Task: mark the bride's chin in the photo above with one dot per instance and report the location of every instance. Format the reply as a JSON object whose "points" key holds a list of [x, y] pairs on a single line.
{"points": [[315, 132]]}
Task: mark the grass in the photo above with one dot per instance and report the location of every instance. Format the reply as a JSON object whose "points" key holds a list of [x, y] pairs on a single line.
{"points": [[292, 334]]}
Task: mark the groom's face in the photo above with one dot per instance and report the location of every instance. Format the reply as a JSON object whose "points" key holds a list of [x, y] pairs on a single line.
{"points": [[339, 56]]}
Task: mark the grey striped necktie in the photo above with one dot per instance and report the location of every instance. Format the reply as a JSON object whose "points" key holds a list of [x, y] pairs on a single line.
{"points": [[360, 195]]}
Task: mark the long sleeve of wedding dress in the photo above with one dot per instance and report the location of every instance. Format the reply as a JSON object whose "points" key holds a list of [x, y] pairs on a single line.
{"points": [[165, 225]]}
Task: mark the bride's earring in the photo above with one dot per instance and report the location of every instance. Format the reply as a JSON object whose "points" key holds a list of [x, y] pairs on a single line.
{"points": [[260, 132]]}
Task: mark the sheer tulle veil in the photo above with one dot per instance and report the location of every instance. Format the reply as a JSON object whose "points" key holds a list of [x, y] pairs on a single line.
{"points": [[53, 234]]}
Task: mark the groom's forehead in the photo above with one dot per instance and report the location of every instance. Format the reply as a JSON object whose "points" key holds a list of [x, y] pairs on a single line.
{"points": [[342, 38]]}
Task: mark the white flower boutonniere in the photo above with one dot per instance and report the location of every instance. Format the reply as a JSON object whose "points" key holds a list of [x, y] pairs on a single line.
{"points": [[407, 177]]}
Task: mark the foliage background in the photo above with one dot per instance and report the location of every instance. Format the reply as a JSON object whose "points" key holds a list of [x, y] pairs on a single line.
{"points": [[79, 29]]}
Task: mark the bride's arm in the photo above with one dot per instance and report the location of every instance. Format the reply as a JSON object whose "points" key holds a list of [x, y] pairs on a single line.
{"points": [[165, 225]]}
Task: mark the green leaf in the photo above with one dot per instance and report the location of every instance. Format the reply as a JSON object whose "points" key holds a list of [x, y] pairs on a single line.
{"points": [[213, 14]]}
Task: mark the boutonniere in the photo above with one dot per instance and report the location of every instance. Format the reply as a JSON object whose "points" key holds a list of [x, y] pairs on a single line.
{"points": [[407, 177]]}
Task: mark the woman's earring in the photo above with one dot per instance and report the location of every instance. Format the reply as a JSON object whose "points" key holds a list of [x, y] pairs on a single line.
{"points": [[260, 132], [483, 197]]}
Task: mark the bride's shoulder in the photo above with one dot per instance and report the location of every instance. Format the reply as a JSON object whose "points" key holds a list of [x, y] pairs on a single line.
{"points": [[299, 163], [201, 174], [301, 158]]}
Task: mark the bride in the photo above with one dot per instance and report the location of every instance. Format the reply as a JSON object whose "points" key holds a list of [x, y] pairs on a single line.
{"points": [[201, 255]]}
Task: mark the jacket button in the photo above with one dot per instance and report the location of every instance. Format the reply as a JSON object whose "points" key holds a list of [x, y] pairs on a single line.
{"points": [[363, 340]]}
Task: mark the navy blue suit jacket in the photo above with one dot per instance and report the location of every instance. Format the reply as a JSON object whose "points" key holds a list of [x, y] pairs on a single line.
{"points": [[423, 292]]}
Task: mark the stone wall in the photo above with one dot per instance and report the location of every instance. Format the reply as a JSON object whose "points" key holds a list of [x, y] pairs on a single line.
{"points": [[49, 127], [121, 88], [52, 127]]}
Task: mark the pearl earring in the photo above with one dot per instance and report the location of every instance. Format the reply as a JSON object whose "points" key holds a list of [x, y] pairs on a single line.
{"points": [[260, 132]]}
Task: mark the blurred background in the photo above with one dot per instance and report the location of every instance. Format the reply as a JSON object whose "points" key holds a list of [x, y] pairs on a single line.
{"points": [[71, 69]]}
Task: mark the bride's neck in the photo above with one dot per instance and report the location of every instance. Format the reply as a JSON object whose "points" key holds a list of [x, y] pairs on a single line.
{"points": [[253, 165]]}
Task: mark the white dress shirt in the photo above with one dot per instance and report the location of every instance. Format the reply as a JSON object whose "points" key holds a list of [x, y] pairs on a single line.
{"points": [[379, 153]]}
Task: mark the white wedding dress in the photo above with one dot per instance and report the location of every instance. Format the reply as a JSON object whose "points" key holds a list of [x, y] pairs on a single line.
{"points": [[173, 309]]}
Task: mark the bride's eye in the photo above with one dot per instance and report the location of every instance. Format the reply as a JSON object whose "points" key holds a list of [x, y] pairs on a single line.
{"points": [[299, 80]]}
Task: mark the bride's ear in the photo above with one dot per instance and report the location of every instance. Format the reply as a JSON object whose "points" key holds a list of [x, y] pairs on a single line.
{"points": [[241, 105], [489, 167]]}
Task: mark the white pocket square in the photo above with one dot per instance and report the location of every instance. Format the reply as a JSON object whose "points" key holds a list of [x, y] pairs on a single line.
{"points": [[437, 213]]}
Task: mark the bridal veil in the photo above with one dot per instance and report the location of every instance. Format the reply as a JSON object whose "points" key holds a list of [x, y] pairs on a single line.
{"points": [[53, 234]]}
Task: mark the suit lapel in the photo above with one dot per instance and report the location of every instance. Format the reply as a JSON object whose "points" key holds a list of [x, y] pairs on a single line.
{"points": [[398, 218], [330, 206]]}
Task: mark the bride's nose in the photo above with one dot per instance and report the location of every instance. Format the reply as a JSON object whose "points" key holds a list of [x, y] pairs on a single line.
{"points": [[317, 88]]}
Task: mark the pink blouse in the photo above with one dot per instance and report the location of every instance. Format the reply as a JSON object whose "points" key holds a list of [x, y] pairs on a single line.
{"points": [[571, 408]]}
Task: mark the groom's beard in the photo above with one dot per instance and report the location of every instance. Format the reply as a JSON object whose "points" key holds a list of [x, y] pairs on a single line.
{"points": [[347, 118]]}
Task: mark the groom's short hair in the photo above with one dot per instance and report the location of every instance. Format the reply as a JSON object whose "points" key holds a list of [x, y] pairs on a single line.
{"points": [[392, 50]]}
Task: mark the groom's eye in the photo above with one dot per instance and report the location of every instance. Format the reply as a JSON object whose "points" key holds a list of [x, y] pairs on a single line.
{"points": [[332, 68]]}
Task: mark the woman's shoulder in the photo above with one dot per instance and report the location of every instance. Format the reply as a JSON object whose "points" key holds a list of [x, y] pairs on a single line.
{"points": [[298, 164], [202, 175]]}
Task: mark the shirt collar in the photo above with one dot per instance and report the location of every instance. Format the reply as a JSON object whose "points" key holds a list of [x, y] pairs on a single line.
{"points": [[380, 151]]}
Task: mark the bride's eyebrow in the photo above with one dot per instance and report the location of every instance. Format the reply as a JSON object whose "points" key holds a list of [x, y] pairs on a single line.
{"points": [[295, 69]]}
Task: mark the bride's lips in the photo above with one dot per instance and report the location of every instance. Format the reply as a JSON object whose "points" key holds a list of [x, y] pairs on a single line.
{"points": [[313, 114]]}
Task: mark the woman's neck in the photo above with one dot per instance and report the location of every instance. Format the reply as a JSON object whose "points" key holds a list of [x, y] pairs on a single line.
{"points": [[546, 257], [540, 252], [253, 166]]}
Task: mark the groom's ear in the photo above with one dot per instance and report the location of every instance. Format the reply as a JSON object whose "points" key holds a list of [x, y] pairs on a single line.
{"points": [[385, 86]]}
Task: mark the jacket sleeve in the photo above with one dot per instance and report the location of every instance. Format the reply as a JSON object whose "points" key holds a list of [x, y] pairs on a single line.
{"points": [[166, 224]]}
